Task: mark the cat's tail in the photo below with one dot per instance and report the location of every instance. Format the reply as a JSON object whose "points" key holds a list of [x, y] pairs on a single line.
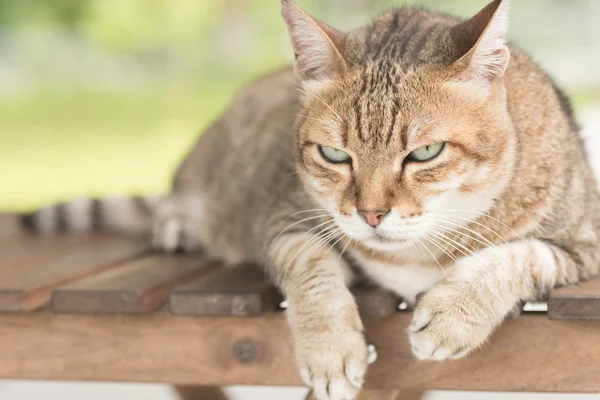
{"points": [[132, 215]]}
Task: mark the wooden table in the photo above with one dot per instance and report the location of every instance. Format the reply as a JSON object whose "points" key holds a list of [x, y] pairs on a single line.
{"points": [[105, 308]]}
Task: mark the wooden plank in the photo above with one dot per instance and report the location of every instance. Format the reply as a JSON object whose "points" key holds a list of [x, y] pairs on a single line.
{"points": [[29, 286], [576, 302], [136, 287], [200, 393], [242, 291], [384, 395], [529, 353], [23, 248], [374, 302], [9, 225]]}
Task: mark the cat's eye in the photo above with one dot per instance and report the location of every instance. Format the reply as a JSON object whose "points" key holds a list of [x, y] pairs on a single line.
{"points": [[426, 153], [334, 155]]}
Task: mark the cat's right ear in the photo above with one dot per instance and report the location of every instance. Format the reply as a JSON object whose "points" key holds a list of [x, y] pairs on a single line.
{"points": [[316, 44], [483, 39]]}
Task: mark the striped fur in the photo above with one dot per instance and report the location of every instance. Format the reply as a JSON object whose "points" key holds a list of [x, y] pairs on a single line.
{"points": [[118, 214]]}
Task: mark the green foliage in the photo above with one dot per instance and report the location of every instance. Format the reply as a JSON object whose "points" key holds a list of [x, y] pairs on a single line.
{"points": [[106, 96], [65, 13]]}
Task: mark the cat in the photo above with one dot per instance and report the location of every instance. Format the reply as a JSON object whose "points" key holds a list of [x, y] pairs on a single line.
{"points": [[422, 152]]}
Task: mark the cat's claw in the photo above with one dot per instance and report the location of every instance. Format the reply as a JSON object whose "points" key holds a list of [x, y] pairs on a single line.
{"points": [[443, 329], [333, 365]]}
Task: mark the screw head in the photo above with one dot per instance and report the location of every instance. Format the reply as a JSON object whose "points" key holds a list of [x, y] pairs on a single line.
{"points": [[245, 350]]}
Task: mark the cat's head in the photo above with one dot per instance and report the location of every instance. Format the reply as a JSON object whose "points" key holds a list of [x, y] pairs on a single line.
{"points": [[396, 149]]}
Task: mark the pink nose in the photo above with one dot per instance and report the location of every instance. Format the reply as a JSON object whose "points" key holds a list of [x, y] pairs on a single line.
{"points": [[373, 218]]}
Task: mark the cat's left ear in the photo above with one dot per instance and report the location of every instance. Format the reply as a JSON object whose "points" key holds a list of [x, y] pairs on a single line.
{"points": [[482, 41], [316, 44]]}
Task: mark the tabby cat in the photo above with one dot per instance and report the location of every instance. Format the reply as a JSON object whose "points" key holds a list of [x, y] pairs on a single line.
{"points": [[421, 152]]}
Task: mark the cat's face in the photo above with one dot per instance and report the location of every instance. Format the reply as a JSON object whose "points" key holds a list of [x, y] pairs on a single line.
{"points": [[395, 156]]}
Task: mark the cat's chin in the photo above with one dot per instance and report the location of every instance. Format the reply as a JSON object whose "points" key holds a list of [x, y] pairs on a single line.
{"points": [[386, 244]]}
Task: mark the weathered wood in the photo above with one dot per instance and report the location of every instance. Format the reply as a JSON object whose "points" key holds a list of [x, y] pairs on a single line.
{"points": [[375, 303], [522, 355], [22, 248], [243, 291], [9, 225], [391, 395], [29, 286], [137, 286], [384, 395], [407, 395], [576, 302], [200, 393]]}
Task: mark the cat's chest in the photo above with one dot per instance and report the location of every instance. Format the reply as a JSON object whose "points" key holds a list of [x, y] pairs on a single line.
{"points": [[405, 278]]}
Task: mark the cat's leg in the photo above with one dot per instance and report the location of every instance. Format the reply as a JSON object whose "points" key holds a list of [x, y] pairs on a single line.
{"points": [[179, 223], [461, 311], [326, 329]]}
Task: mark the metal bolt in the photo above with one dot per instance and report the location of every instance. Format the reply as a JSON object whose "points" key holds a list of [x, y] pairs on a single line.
{"points": [[244, 350]]}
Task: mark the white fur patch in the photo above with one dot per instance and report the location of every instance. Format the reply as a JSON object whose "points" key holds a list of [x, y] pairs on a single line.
{"points": [[405, 281]]}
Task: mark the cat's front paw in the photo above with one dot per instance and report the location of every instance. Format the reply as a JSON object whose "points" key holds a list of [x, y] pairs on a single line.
{"points": [[332, 361], [449, 323]]}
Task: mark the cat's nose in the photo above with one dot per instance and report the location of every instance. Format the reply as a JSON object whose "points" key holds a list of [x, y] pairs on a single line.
{"points": [[373, 218]]}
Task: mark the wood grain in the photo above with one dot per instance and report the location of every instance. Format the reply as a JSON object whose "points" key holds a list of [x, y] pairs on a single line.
{"points": [[200, 393], [375, 303], [29, 286], [575, 302], [137, 286], [529, 353], [384, 395], [22, 248], [9, 225], [243, 291]]}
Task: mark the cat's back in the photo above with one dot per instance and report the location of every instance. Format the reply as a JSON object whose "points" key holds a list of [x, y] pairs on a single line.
{"points": [[240, 167], [258, 123]]}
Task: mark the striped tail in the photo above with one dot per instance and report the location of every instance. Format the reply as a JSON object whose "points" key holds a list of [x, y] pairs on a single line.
{"points": [[132, 215]]}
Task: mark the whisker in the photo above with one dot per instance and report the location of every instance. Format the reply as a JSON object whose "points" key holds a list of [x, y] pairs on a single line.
{"points": [[324, 241], [454, 244], [299, 222], [311, 118], [332, 246], [327, 223], [441, 248], [320, 99], [305, 211], [487, 267], [485, 215], [346, 245], [315, 242], [463, 226], [488, 244], [432, 256]]}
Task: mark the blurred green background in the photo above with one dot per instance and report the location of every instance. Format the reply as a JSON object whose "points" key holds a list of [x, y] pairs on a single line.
{"points": [[101, 97]]}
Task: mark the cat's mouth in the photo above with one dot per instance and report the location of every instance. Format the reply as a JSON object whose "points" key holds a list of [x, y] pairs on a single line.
{"points": [[380, 241], [387, 240], [382, 238]]}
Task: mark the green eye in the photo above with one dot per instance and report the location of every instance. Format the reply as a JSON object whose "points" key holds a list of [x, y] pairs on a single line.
{"points": [[426, 153], [334, 155]]}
